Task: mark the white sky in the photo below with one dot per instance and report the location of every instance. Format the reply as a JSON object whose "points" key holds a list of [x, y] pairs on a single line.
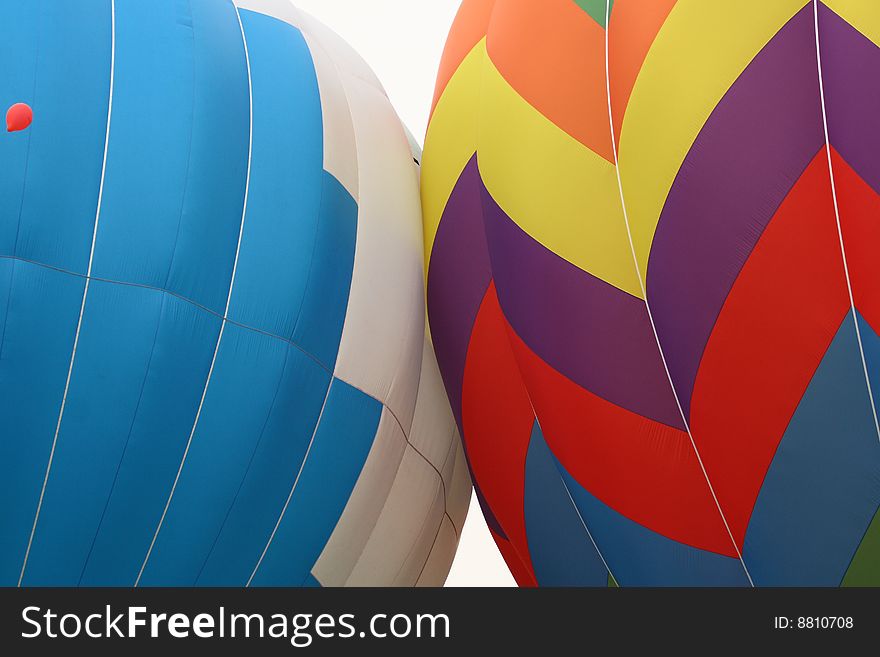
{"points": [[403, 40]]}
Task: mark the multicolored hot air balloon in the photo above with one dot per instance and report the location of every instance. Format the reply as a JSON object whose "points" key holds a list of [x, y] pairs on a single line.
{"points": [[653, 286], [213, 366]]}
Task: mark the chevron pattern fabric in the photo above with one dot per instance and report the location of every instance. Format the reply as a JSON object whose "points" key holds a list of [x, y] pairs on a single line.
{"points": [[652, 230]]}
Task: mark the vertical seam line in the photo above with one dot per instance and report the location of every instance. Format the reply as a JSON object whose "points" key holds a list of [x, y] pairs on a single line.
{"points": [[292, 488], [643, 286], [84, 296], [849, 287], [224, 321]]}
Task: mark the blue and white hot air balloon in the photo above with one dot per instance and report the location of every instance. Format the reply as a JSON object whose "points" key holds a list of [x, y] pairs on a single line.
{"points": [[213, 365]]}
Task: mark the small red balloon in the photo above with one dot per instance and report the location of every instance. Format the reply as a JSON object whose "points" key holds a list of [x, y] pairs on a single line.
{"points": [[19, 117]]}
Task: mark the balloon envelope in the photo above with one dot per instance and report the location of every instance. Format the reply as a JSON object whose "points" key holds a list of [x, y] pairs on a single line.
{"points": [[652, 287], [19, 117], [214, 368]]}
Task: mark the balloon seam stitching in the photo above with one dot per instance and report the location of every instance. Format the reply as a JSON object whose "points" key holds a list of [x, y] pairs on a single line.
{"points": [[849, 286], [228, 301], [176, 295], [455, 530], [131, 425], [293, 487], [84, 295], [430, 550], [584, 524], [302, 466], [424, 458], [648, 305], [369, 534], [440, 526], [247, 471]]}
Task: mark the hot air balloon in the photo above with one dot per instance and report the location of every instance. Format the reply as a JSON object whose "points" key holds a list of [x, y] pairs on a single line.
{"points": [[19, 117], [213, 364], [652, 287]]}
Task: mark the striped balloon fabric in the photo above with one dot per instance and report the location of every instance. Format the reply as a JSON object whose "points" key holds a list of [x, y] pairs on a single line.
{"points": [[213, 365], [653, 285]]}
